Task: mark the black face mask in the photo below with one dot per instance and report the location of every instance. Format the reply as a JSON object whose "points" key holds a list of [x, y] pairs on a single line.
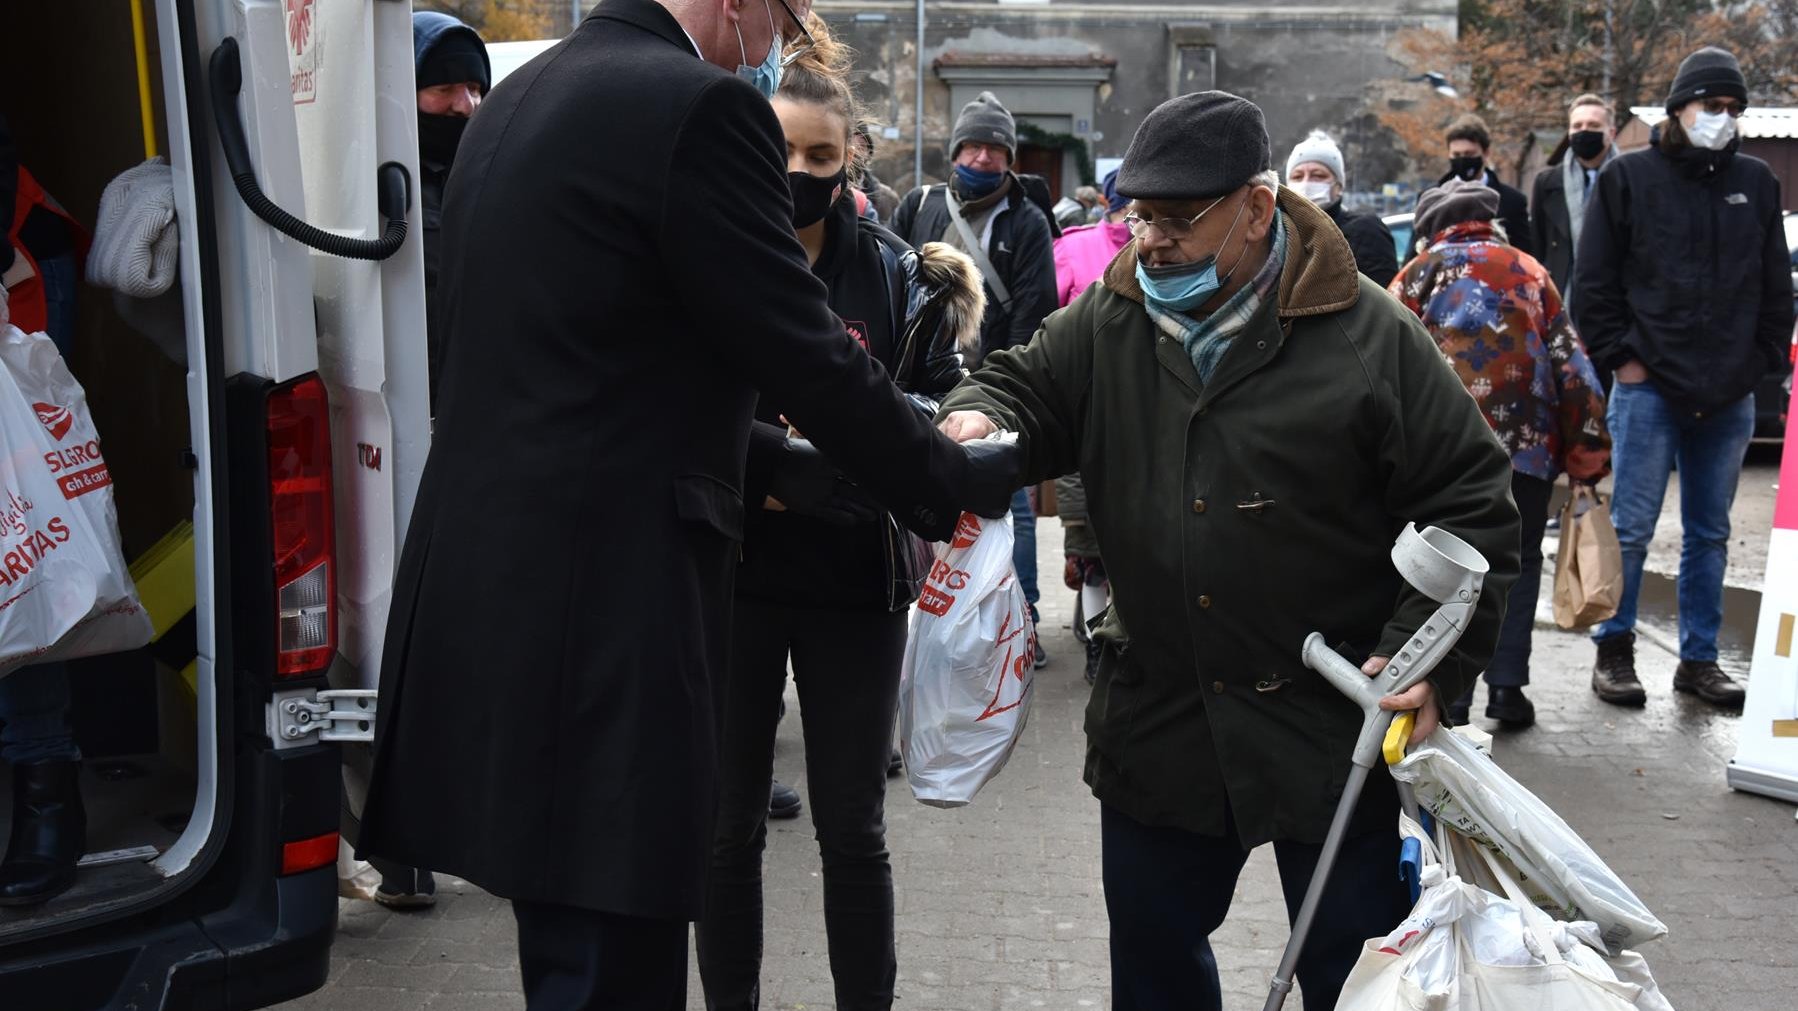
{"points": [[1467, 167], [814, 196], [439, 136], [1586, 144]]}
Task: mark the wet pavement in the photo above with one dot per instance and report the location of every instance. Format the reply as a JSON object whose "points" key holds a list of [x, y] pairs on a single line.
{"points": [[1000, 904]]}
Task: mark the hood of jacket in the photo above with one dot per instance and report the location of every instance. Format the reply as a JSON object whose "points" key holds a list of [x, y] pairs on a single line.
{"points": [[431, 27], [1320, 274]]}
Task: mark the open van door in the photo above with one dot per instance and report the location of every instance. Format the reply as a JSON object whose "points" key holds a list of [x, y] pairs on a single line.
{"points": [[355, 110]]}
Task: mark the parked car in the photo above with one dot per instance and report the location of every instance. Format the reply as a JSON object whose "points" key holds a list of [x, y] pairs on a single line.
{"points": [[281, 458], [1400, 227]]}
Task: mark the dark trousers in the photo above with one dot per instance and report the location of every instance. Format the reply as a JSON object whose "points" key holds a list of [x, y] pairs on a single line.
{"points": [[1166, 890], [584, 960], [1510, 664], [846, 667]]}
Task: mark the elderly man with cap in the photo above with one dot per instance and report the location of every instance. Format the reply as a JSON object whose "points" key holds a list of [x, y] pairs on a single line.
{"points": [[1685, 294], [1255, 424], [1314, 168], [986, 213]]}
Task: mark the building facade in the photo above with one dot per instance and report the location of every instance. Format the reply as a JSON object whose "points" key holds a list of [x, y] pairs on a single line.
{"points": [[1079, 75]]}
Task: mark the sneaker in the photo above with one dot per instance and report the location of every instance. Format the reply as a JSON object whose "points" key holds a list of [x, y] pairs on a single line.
{"points": [[406, 888], [1508, 705], [895, 764], [783, 801], [1706, 680], [1042, 656], [1614, 672]]}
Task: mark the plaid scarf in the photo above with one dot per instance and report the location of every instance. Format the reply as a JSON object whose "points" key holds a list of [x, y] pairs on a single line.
{"points": [[1206, 340]]}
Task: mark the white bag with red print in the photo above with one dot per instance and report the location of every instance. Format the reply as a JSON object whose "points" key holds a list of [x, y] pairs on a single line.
{"points": [[65, 591], [964, 690]]}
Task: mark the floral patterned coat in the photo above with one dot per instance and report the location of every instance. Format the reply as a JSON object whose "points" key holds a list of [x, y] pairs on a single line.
{"points": [[1499, 322]]}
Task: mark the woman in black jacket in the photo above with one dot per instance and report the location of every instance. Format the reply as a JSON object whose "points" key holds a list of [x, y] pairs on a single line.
{"points": [[830, 599]]}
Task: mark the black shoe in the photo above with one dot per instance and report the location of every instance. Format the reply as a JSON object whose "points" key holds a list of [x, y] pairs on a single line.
{"points": [[783, 801], [404, 887], [1614, 673], [1508, 705], [49, 833], [895, 764], [1706, 680], [1459, 712]]}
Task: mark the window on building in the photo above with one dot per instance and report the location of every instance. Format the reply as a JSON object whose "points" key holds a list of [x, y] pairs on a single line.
{"points": [[1195, 69]]}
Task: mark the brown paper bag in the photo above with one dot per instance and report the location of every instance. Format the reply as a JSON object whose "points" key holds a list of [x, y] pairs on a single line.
{"points": [[1589, 564]]}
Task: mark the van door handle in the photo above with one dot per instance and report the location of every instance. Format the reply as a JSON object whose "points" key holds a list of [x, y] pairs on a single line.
{"points": [[394, 185]]}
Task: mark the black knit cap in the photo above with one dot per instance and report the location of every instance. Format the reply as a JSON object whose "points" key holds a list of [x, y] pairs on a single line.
{"points": [[456, 56], [1201, 145], [1707, 73]]}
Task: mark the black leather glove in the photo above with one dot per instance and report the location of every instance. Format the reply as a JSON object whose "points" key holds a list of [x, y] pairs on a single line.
{"points": [[808, 485], [994, 474]]}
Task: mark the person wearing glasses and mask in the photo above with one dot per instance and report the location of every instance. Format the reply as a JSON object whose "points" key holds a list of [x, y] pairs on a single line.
{"points": [[608, 325], [1685, 294], [1255, 423]]}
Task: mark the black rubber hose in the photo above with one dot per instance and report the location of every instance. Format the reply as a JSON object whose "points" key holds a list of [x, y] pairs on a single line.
{"points": [[395, 185]]}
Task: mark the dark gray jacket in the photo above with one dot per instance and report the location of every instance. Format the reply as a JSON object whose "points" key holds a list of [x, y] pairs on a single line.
{"points": [[1020, 250]]}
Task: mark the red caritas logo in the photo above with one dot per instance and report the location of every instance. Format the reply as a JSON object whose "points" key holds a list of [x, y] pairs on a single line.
{"points": [[966, 532], [299, 25], [57, 419]]}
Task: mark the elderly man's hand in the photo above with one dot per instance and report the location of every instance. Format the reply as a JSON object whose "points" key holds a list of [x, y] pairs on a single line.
{"points": [[1420, 696], [966, 426]]}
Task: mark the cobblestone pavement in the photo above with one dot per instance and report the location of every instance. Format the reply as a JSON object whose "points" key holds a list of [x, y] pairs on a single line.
{"points": [[1000, 904]]}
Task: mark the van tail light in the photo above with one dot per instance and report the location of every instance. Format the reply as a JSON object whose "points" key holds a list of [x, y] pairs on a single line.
{"points": [[304, 539], [307, 854]]}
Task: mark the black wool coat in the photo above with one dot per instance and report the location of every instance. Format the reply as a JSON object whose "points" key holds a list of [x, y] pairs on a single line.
{"points": [[619, 278]]}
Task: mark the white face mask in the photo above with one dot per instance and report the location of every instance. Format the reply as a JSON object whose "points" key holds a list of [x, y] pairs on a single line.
{"points": [[1712, 130], [1317, 191]]}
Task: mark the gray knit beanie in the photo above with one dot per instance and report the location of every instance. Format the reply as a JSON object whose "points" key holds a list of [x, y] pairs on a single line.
{"points": [[1205, 144], [1707, 73], [985, 120], [1452, 203]]}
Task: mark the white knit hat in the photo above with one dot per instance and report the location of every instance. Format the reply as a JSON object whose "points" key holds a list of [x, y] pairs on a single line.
{"points": [[1318, 147]]}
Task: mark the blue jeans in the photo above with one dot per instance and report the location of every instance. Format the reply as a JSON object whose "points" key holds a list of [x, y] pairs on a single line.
{"points": [[1023, 546], [34, 701], [1647, 440]]}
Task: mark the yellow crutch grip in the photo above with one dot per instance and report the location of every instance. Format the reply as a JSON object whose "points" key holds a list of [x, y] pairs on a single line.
{"points": [[1397, 736]]}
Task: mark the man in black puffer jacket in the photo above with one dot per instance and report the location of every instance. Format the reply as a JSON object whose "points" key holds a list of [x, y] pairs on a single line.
{"points": [[1685, 292]]}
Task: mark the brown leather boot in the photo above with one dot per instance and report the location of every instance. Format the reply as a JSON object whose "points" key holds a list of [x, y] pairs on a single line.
{"points": [[1706, 680], [1614, 674]]}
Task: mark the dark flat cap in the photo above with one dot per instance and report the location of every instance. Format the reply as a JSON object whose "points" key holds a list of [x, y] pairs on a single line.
{"points": [[1201, 145]]}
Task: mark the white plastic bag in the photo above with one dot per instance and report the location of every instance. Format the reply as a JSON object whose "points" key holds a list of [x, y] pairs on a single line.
{"points": [[964, 689], [65, 591], [1468, 791], [1464, 948]]}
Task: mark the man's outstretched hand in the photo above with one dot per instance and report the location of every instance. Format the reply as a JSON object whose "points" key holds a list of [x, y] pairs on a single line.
{"points": [[806, 483], [966, 426], [1420, 696], [994, 469]]}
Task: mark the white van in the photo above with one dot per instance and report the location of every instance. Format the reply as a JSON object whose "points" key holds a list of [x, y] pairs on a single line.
{"points": [[262, 485]]}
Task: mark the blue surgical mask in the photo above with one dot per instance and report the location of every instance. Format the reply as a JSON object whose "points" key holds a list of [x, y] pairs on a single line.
{"points": [[974, 183], [1183, 287], [766, 77]]}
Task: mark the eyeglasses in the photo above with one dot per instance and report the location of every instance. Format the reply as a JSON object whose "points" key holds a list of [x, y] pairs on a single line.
{"points": [[796, 48], [1729, 105], [1172, 229]]}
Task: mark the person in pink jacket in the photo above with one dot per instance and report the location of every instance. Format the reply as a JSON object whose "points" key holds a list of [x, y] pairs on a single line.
{"points": [[1083, 253]]}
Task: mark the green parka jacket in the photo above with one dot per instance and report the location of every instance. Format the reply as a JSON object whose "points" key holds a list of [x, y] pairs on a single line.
{"points": [[1240, 516]]}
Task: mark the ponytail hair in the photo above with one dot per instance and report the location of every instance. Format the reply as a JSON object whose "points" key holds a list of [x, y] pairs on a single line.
{"points": [[821, 77]]}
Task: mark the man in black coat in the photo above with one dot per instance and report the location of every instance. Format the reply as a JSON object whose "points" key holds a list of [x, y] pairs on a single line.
{"points": [[620, 277], [1558, 197], [1469, 142]]}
